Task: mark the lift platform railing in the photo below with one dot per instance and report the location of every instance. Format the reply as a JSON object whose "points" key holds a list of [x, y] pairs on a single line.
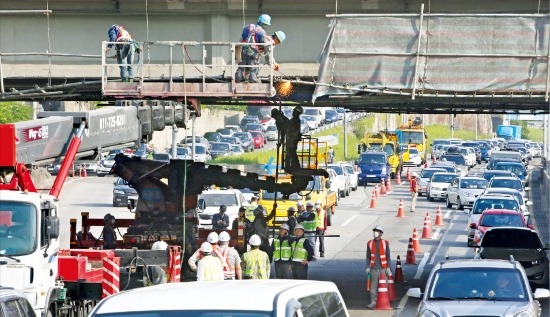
{"points": [[185, 69]]}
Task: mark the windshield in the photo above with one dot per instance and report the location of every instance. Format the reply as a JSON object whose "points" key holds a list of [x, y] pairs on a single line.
{"points": [[518, 170], [478, 283], [230, 140], [189, 313], [272, 128], [474, 183], [218, 199], [448, 168], [457, 159], [507, 183], [338, 169], [256, 134], [243, 136], [111, 157], [415, 137], [443, 178], [512, 239], [372, 159], [388, 148], [496, 220], [17, 228], [182, 151], [426, 173], [220, 147], [494, 203], [271, 196]]}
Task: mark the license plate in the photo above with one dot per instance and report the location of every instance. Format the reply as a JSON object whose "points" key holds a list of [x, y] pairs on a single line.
{"points": [[207, 227], [371, 175], [281, 218]]}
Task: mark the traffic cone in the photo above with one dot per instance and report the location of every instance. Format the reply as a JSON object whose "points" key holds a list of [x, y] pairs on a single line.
{"points": [[80, 172], [408, 174], [383, 188], [84, 173], [411, 256], [388, 184], [438, 218], [416, 242], [391, 288], [398, 271], [373, 199], [401, 209], [427, 229], [376, 191], [383, 298], [398, 178]]}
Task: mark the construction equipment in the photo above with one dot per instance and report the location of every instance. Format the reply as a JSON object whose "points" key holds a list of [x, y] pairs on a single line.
{"points": [[413, 135], [386, 141]]}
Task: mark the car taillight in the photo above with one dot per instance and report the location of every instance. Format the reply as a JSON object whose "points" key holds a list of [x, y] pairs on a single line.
{"points": [[132, 239]]}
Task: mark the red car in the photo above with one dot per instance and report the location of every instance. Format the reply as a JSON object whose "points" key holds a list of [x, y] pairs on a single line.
{"points": [[259, 139], [497, 218]]}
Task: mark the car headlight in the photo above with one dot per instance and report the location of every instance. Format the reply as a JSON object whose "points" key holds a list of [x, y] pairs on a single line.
{"points": [[118, 191], [538, 262], [428, 313]]}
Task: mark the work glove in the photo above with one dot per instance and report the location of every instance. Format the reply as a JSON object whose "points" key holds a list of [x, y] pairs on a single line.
{"points": [[276, 67], [368, 270], [388, 272]]}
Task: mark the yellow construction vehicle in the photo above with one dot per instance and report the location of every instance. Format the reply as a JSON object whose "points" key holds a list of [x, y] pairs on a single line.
{"points": [[413, 135], [385, 141]]}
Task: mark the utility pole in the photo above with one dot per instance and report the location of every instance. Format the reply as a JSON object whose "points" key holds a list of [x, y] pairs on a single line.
{"points": [[345, 137], [452, 126]]}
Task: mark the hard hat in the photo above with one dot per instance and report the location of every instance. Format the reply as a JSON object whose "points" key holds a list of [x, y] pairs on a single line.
{"points": [[284, 226], [317, 202], [300, 203], [291, 208], [212, 237], [224, 236], [159, 245], [255, 240], [309, 204], [223, 208], [280, 35], [299, 109], [414, 174], [206, 247], [265, 19], [378, 228], [299, 227]]}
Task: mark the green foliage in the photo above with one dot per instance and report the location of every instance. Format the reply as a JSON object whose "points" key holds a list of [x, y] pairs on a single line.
{"points": [[535, 134], [11, 112], [361, 126], [440, 131], [524, 128]]}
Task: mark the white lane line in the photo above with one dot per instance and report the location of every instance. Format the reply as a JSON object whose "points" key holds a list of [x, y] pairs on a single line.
{"points": [[421, 266], [348, 221], [435, 234], [448, 214], [403, 302]]}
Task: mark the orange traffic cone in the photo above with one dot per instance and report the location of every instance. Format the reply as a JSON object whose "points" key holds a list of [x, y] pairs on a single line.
{"points": [[84, 174], [411, 256], [438, 218], [376, 191], [416, 242], [388, 184], [398, 271], [383, 188], [383, 298], [400, 209], [391, 288], [427, 229], [398, 178], [408, 174], [373, 199]]}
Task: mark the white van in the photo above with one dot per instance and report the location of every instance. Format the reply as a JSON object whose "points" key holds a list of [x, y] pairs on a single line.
{"points": [[315, 112], [210, 201]]}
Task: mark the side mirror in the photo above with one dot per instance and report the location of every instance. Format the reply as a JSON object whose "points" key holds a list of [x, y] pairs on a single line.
{"points": [[327, 184], [414, 292], [52, 227]]}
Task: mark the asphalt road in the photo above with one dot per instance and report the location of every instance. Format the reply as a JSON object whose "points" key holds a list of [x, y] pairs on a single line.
{"points": [[344, 263]]}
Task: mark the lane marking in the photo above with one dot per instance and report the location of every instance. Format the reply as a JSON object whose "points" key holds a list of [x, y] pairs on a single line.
{"points": [[403, 302], [421, 265], [435, 234], [348, 221], [448, 214]]}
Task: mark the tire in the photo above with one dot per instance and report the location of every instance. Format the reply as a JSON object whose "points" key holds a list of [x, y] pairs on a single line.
{"points": [[343, 194], [100, 175], [329, 217], [448, 203], [419, 194], [348, 191], [459, 205]]}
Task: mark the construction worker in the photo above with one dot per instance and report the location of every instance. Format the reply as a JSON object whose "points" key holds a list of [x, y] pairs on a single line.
{"points": [[155, 273], [291, 220], [251, 207], [308, 219], [212, 239], [281, 253], [85, 234], [246, 227], [210, 268], [321, 217], [330, 155], [108, 233], [378, 259], [260, 227], [291, 136], [414, 190], [231, 260], [256, 263], [301, 207], [220, 221], [302, 254], [124, 50]]}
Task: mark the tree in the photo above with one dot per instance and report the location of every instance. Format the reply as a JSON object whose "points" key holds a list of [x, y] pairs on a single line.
{"points": [[11, 112]]}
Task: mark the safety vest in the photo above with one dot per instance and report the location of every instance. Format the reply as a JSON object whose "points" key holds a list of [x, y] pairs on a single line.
{"points": [[122, 34], [252, 30], [413, 186], [382, 253], [299, 253], [310, 225], [249, 214], [255, 262], [211, 269], [281, 251], [320, 215], [228, 268]]}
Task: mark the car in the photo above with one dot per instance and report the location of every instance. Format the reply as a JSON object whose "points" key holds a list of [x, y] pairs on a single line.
{"points": [[247, 141], [424, 178], [341, 113], [248, 193], [274, 298], [121, 192], [478, 287], [438, 184], [488, 174], [198, 139], [493, 218], [202, 154], [237, 149], [459, 161], [231, 140], [342, 174], [508, 182], [336, 184], [331, 116], [165, 157], [311, 122], [304, 126], [271, 133], [234, 128], [182, 153], [316, 113], [353, 176], [523, 202], [105, 165], [212, 136], [253, 127], [13, 303], [225, 132], [248, 119], [374, 167], [518, 169], [463, 191], [524, 245], [450, 167], [209, 203], [469, 155], [219, 149], [259, 139], [414, 157]]}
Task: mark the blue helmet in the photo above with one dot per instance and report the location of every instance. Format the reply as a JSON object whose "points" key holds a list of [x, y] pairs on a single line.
{"points": [[264, 19], [280, 35]]}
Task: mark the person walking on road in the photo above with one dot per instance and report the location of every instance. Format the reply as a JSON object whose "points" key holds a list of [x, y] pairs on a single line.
{"points": [[302, 254], [256, 264], [378, 259], [231, 261], [321, 217], [281, 253], [210, 268], [124, 50], [414, 190], [308, 218]]}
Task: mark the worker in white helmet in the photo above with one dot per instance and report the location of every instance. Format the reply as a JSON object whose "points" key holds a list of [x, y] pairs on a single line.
{"points": [[414, 190], [231, 260], [210, 268], [321, 218], [155, 273], [302, 254], [308, 219], [256, 264], [197, 256], [280, 247], [378, 259]]}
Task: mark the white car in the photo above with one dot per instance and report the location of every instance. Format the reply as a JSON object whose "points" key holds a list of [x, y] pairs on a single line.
{"points": [[343, 176], [414, 158], [353, 176], [210, 201], [201, 152], [463, 191], [469, 155], [274, 298], [424, 178], [337, 185], [105, 165], [311, 122], [438, 184], [271, 133]]}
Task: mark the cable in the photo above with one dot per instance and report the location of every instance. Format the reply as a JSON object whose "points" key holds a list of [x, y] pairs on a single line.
{"points": [[189, 57], [49, 45]]}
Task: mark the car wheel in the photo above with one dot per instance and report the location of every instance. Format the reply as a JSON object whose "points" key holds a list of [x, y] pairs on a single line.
{"points": [[419, 194], [448, 203], [329, 217], [343, 194], [348, 191], [459, 205], [100, 175]]}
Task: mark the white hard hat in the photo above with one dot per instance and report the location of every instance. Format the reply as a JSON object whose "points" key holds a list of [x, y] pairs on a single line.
{"points": [[284, 226], [255, 240], [414, 174], [212, 237], [224, 236], [378, 228], [309, 204], [317, 202], [159, 245], [299, 227], [206, 247], [300, 203]]}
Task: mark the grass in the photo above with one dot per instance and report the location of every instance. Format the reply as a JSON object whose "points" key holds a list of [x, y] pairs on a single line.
{"points": [[535, 134], [440, 131]]}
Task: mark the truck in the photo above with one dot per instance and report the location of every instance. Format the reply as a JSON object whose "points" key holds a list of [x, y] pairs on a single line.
{"points": [[413, 134], [374, 167], [509, 132], [386, 141]]}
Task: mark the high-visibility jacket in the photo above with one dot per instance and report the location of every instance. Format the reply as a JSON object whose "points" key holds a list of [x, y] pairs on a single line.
{"points": [[299, 253], [321, 215], [256, 265], [210, 269], [249, 214], [382, 252], [281, 249], [310, 225], [413, 186], [228, 266]]}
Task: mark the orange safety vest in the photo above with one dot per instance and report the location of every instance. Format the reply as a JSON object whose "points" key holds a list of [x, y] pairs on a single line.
{"points": [[372, 248], [123, 34], [222, 255], [414, 186]]}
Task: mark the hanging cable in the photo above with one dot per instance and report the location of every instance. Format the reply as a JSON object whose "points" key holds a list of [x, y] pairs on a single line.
{"points": [[147, 30], [49, 44], [244, 21]]}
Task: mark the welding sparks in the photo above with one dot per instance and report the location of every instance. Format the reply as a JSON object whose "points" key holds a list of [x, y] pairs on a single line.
{"points": [[284, 88]]}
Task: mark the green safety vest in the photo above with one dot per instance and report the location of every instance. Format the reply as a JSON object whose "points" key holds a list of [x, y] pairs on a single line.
{"points": [[256, 264], [281, 251], [250, 212], [299, 253], [310, 225], [320, 218]]}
